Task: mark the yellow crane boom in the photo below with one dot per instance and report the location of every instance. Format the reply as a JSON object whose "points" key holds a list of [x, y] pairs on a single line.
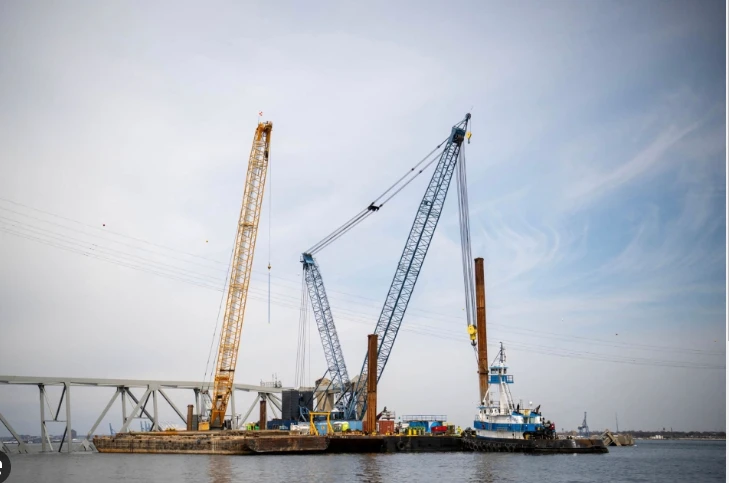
{"points": [[240, 274]]}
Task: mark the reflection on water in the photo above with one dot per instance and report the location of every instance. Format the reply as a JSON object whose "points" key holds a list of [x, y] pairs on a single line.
{"points": [[369, 468], [484, 467], [220, 469]]}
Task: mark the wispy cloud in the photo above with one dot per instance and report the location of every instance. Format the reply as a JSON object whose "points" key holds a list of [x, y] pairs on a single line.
{"points": [[590, 190]]}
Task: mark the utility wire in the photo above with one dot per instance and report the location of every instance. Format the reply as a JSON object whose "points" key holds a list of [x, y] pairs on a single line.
{"points": [[108, 231], [445, 335], [217, 317], [91, 250], [92, 247], [302, 309], [107, 238]]}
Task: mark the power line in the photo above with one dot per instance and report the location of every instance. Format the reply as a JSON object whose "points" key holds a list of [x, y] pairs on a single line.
{"points": [[161, 269], [104, 238], [108, 231], [430, 331]]}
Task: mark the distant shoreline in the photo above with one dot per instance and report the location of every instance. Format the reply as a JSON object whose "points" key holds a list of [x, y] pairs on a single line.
{"points": [[681, 439]]}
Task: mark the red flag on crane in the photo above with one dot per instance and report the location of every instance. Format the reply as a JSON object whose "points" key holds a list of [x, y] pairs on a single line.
{"points": [[260, 113]]}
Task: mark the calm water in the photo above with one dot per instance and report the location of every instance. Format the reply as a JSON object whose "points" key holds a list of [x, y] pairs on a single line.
{"points": [[649, 461]]}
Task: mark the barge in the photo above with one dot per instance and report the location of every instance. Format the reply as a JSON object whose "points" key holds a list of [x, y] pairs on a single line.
{"points": [[269, 442], [211, 442], [282, 442]]}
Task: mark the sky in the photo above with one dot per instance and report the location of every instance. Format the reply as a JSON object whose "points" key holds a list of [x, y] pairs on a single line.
{"points": [[596, 178]]}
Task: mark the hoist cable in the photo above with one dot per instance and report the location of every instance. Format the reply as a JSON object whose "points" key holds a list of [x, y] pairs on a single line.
{"points": [[465, 233], [359, 217]]}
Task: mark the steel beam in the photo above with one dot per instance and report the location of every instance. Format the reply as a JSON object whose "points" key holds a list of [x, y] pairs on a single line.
{"points": [[274, 401], [60, 401], [135, 410], [124, 403], [197, 401], [138, 383], [232, 408], [169, 401], [103, 413], [155, 426], [21, 444], [44, 432], [69, 431], [250, 410], [144, 398], [273, 405], [144, 406], [44, 428], [123, 387]]}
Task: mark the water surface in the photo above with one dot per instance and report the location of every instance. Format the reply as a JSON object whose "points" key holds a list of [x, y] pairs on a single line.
{"points": [[648, 461]]}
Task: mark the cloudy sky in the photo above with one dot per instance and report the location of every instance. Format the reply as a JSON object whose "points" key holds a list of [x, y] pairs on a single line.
{"points": [[596, 181]]}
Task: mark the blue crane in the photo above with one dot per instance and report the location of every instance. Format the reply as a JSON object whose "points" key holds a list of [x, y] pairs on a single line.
{"points": [[336, 366], [325, 323], [411, 261], [352, 397]]}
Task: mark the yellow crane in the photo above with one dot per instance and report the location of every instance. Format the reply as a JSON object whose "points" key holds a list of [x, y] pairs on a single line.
{"points": [[240, 274]]}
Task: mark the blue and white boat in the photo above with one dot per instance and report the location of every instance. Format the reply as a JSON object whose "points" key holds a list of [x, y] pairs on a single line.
{"points": [[499, 419], [500, 425]]}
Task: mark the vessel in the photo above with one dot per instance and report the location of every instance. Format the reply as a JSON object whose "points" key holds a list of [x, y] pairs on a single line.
{"points": [[229, 442], [233, 442], [501, 425]]}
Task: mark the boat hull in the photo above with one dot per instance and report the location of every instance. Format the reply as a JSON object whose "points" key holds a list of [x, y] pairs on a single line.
{"points": [[533, 446]]}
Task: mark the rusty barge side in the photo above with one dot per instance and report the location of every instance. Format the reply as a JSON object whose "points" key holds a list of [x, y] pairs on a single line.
{"points": [[211, 442], [269, 442]]}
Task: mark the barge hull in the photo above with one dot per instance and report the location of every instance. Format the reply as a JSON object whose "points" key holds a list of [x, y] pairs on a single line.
{"points": [[282, 442], [221, 443], [534, 446], [394, 444]]}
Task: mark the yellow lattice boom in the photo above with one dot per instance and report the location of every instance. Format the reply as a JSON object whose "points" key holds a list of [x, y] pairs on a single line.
{"points": [[240, 274]]}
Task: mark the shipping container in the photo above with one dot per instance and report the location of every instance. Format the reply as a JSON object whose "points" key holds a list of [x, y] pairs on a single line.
{"points": [[386, 426]]}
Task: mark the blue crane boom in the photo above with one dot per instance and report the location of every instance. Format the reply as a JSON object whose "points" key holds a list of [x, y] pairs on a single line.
{"points": [[411, 261], [325, 323], [336, 367]]}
